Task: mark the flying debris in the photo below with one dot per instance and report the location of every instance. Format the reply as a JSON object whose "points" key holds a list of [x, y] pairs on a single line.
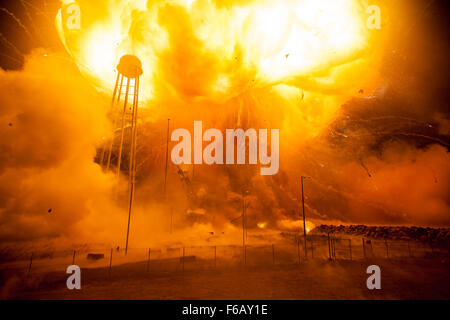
{"points": [[365, 168], [95, 256]]}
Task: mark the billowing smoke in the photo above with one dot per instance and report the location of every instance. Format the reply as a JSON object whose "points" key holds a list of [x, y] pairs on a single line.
{"points": [[51, 121], [52, 190]]}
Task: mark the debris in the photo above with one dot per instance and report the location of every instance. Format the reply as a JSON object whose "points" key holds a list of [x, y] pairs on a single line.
{"points": [[365, 168], [95, 256]]}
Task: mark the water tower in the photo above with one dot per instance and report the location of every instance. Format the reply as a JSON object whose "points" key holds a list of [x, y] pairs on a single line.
{"points": [[124, 113]]}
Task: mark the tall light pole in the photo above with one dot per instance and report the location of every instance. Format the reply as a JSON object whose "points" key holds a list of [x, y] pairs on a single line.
{"points": [[244, 226], [167, 156], [304, 219], [171, 220], [243, 220], [165, 174]]}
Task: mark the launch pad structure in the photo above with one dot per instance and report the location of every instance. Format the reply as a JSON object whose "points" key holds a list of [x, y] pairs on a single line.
{"points": [[124, 114]]}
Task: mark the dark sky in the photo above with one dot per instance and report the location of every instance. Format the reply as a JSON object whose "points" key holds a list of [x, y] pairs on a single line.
{"points": [[37, 29]]}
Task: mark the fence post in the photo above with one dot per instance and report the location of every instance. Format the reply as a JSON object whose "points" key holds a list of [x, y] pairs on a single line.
{"points": [[329, 246], [273, 253], [409, 250], [73, 258], [245, 255], [350, 247], [333, 247], [110, 262], [387, 248], [364, 248], [148, 259], [31, 263], [183, 258]]}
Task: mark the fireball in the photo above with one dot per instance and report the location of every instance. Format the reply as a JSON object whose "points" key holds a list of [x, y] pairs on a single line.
{"points": [[202, 49]]}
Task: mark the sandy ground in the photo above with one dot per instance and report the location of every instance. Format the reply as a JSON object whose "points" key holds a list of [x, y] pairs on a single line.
{"points": [[424, 278]]}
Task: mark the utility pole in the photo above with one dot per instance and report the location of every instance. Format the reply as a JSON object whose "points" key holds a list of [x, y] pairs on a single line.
{"points": [[243, 223], [165, 173], [167, 156], [171, 220], [304, 220], [245, 216]]}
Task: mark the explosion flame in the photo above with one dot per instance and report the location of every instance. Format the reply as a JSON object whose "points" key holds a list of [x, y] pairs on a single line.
{"points": [[254, 44]]}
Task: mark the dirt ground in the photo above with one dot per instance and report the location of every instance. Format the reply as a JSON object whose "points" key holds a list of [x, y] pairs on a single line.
{"points": [[425, 278]]}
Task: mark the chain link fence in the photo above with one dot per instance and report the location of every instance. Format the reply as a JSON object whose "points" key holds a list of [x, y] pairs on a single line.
{"points": [[317, 247]]}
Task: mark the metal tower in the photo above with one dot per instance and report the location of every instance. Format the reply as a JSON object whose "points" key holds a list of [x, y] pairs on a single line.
{"points": [[124, 112]]}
